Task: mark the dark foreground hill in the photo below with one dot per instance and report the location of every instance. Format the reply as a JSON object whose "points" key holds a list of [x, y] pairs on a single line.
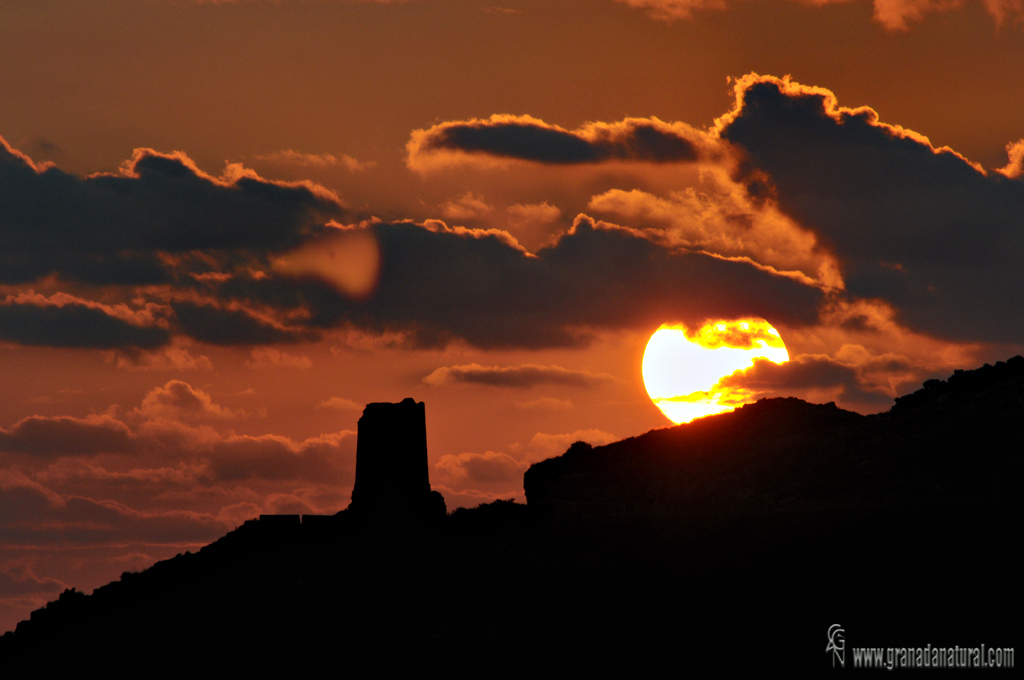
{"points": [[732, 542]]}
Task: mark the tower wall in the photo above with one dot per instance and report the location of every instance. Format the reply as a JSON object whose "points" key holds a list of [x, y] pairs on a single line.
{"points": [[391, 461]]}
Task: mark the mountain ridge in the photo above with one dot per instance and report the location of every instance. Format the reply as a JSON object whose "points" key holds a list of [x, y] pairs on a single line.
{"points": [[787, 514]]}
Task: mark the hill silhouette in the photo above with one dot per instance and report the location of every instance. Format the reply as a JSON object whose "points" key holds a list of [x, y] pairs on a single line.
{"points": [[734, 541]]}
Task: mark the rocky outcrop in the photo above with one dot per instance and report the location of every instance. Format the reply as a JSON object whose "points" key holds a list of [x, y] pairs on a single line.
{"points": [[952, 444]]}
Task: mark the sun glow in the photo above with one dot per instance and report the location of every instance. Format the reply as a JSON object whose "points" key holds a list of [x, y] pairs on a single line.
{"points": [[682, 369]]}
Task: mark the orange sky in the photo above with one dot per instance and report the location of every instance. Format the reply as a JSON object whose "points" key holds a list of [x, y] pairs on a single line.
{"points": [[227, 226]]}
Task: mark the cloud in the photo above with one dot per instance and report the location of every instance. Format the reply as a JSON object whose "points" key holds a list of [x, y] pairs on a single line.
{"points": [[467, 207], [915, 225], [722, 218], [178, 400], [329, 458], [672, 10], [252, 262], [268, 357], [1015, 168], [167, 359], [815, 374], [113, 228], [489, 469], [547, 445], [339, 404], [801, 201], [62, 320], [160, 431], [501, 138], [312, 160], [224, 325], [30, 517], [894, 15], [234, 2], [534, 224], [521, 214], [49, 437], [163, 477], [439, 284], [525, 375], [20, 581]]}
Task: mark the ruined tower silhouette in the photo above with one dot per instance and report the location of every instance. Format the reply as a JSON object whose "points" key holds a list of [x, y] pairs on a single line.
{"points": [[392, 479]]}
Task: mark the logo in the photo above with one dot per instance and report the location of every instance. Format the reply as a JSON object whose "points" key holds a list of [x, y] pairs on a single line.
{"points": [[837, 644]]}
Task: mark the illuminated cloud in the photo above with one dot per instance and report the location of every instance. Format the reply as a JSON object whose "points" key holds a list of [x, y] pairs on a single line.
{"points": [[720, 217], [312, 160], [166, 359], [484, 471], [526, 375], [502, 138], [178, 400], [799, 200], [894, 15], [529, 214], [544, 445], [920, 227], [339, 404], [671, 10], [467, 207], [1015, 168], [159, 430], [237, 2], [546, 404]]}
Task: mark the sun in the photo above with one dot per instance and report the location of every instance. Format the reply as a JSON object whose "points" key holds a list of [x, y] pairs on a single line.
{"points": [[682, 369]]}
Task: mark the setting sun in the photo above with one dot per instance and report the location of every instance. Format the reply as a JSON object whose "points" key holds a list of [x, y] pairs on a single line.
{"points": [[682, 368]]}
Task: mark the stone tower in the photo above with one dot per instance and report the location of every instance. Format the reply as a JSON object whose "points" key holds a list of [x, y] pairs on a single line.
{"points": [[392, 479]]}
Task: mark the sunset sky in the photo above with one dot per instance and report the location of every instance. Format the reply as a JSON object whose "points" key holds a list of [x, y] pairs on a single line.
{"points": [[226, 226]]}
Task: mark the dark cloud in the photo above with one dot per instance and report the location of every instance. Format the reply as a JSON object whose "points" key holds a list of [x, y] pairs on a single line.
{"points": [[439, 284], [63, 321], [23, 582], [525, 138], [107, 228], [164, 221], [67, 436], [328, 459], [918, 226], [479, 288], [157, 430], [217, 325], [525, 375], [809, 372], [32, 516]]}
